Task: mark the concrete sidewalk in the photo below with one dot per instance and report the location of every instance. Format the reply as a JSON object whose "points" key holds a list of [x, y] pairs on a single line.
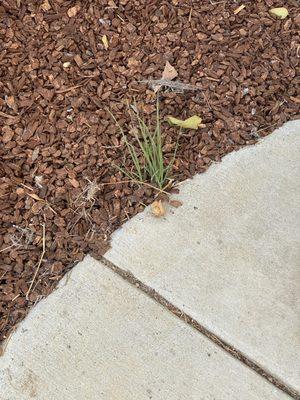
{"points": [[97, 338], [230, 256], [227, 257]]}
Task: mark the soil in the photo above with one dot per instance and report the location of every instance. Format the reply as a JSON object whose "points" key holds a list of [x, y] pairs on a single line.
{"points": [[59, 191]]}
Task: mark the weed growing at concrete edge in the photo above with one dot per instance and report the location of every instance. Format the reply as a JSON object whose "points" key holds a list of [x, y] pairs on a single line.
{"points": [[147, 155]]}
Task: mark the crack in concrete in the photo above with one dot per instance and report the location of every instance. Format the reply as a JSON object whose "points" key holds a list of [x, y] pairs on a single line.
{"points": [[152, 293]]}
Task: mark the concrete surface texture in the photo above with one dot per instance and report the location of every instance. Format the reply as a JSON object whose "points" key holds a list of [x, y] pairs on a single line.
{"points": [[229, 256], [99, 338]]}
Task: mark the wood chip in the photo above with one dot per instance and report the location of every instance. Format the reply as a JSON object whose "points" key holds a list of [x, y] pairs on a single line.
{"points": [[72, 12], [175, 203]]}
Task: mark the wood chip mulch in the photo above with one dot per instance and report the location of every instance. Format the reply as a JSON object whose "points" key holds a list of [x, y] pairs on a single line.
{"points": [[59, 146]]}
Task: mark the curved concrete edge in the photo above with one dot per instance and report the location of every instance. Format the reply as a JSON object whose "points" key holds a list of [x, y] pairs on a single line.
{"points": [[229, 257]]}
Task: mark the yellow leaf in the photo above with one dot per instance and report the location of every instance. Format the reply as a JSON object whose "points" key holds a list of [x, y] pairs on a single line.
{"points": [[105, 41], [279, 12], [158, 209], [190, 123]]}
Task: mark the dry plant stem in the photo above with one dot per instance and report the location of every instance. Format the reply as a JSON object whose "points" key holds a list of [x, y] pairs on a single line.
{"points": [[68, 89], [7, 248], [4, 346], [171, 84], [140, 183], [40, 261]]}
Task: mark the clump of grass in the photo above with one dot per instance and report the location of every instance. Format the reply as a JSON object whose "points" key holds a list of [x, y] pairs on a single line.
{"points": [[147, 157]]}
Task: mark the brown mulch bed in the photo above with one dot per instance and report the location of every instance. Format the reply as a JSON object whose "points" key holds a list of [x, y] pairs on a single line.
{"points": [[59, 144]]}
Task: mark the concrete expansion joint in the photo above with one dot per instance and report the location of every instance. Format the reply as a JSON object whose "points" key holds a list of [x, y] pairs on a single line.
{"points": [[153, 294]]}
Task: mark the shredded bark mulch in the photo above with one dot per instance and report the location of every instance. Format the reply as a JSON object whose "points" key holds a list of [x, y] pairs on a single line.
{"points": [[59, 196]]}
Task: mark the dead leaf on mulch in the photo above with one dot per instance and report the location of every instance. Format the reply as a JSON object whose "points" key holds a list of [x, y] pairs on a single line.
{"points": [[279, 12], [169, 73], [193, 122]]}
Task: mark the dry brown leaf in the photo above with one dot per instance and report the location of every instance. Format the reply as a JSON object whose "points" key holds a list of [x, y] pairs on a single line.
{"points": [[175, 203], [72, 12], [169, 73], [158, 209]]}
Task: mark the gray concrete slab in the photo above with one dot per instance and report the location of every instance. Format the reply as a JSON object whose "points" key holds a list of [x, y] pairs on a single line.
{"points": [[99, 338], [229, 256]]}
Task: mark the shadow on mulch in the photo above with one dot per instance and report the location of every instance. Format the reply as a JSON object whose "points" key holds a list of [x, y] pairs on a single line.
{"points": [[59, 145]]}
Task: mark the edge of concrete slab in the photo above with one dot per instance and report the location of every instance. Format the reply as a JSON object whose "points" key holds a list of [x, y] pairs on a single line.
{"points": [[292, 126]]}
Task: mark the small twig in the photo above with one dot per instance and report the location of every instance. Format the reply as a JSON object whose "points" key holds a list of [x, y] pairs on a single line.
{"points": [[40, 261], [4, 345], [74, 87], [2, 276], [36, 197], [171, 84], [9, 247], [137, 181], [207, 101], [266, 127], [27, 187], [213, 3], [68, 89]]}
